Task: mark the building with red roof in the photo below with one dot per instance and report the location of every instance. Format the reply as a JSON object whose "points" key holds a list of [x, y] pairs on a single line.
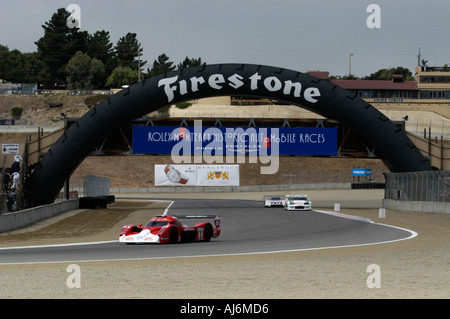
{"points": [[396, 88], [430, 83]]}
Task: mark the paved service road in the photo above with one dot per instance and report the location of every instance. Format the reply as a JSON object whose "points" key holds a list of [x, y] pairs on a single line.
{"points": [[247, 227]]}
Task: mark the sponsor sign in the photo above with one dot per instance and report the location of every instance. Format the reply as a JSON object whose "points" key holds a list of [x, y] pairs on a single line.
{"points": [[10, 148], [362, 172], [175, 175], [218, 175], [234, 140], [7, 122], [196, 175]]}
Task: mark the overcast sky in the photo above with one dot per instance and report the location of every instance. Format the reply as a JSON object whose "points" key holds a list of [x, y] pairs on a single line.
{"points": [[295, 34]]}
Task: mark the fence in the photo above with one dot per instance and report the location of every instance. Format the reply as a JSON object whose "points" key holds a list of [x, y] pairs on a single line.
{"points": [[428, 186]]}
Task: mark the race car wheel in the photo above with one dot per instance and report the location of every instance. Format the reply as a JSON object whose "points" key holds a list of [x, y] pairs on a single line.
{"points": [[208, 232], [173, 238]]}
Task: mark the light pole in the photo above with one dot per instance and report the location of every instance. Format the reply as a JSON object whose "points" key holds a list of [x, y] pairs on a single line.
{"points": [[139, 62], [350, 64]]}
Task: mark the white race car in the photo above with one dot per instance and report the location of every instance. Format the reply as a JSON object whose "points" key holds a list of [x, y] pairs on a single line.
{"points": [[273, 200], [297, 202]]}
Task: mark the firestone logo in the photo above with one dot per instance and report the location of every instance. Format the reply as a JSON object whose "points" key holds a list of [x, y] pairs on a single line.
{"points": [[218, 82]]}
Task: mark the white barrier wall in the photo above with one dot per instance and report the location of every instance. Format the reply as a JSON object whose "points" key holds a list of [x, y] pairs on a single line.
{"points": [[416, 206], [27, 217]]}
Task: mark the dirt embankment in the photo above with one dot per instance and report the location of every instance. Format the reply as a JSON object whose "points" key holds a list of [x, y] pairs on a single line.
{"points": [[37, 110], [138, 171]]}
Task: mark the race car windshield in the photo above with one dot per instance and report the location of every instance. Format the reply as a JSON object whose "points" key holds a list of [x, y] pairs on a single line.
{"points": [[298, 198], [156, 223]]}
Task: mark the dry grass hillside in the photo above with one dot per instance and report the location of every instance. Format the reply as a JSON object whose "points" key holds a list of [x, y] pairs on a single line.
{"points": [[37, 110]]}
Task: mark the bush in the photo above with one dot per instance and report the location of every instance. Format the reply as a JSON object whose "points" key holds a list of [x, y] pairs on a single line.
{"points": [[183, 105], [16, 112]]}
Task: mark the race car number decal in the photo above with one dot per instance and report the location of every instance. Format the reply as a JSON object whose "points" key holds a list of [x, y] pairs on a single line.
{"points": [[200, 232]]}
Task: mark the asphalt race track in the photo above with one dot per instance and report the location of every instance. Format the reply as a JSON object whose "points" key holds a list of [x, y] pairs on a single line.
{"points": [[247, 227]]}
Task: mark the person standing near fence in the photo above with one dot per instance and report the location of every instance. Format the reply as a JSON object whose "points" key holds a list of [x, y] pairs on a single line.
{"points": [[15, 167], [15, 180]]}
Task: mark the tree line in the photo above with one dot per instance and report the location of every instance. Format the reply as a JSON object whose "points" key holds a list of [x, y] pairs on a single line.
{"points": [[382, 74], [74, 59]]}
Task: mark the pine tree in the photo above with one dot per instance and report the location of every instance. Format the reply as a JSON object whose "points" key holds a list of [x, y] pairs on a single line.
{"points": [[58, 45]]}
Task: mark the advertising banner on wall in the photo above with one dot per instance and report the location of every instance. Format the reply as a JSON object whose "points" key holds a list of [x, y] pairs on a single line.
{"points": [[197, 175], [234, 140], [218, 175], [175, 175]]}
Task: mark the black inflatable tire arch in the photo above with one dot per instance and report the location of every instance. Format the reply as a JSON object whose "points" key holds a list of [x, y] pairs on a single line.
{"points": [[57, 165]]}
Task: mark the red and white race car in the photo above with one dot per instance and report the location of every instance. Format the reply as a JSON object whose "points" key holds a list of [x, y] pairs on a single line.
{"points": [[169, 229]]}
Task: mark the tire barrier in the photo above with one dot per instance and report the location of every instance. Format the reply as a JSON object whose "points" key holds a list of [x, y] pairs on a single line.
{"points": [[97, 202], [368, 185], [303, 90]]}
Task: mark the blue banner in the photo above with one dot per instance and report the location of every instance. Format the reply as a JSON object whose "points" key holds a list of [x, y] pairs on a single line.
{"points": [[234, 140], [362, 172]]}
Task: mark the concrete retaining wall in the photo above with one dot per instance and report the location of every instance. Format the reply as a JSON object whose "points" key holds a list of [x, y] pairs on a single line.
{"points": [[415, 206], [27, 217], [229, 189]]}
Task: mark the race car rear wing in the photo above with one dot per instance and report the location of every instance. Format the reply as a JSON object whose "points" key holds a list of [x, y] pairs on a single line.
{"points": [[216, 218], [194, 216]]}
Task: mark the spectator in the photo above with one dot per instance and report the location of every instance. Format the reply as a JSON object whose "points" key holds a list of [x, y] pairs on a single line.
{"points": [[15, 167], [15, 182], [6, 180], [11, 201]]}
